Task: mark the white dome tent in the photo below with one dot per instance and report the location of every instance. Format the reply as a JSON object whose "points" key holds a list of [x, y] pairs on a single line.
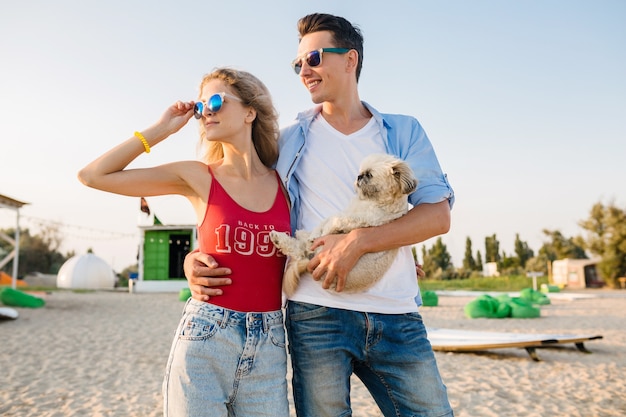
{"points": [[86, 272]]}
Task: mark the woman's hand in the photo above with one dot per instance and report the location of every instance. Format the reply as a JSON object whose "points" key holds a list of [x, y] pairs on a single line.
{"points": [[175, 117]]}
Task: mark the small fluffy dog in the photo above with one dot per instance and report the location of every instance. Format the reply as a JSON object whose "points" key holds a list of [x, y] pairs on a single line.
{"points": [[382, 187]]}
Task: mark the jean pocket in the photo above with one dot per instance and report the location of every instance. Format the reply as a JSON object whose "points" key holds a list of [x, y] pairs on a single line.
{"points": [[197, 328], [304, 311], [414, 316], [277, 335]]}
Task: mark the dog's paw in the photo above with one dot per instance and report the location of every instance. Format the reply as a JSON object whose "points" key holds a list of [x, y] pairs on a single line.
{"points": [[277, 237], [285, 243]]}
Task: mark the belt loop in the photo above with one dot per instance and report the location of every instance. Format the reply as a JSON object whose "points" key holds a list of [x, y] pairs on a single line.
{"points": [[266, 326], [225, 317]]}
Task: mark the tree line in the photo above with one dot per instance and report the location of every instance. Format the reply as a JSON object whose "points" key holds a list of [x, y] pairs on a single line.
{"points": [[604, 238], [38, 252]]}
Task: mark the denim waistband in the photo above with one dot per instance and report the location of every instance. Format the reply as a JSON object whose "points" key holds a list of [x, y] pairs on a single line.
{"points": [[225, 316]]}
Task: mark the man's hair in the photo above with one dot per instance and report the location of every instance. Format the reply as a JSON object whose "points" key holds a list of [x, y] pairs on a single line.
{"points": [[344, 33]]}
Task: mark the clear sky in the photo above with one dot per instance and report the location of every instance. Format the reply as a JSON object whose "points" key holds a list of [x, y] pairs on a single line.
{"points": [[524, 101]]}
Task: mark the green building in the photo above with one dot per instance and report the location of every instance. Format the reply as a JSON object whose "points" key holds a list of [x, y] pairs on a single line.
{"points": [[162, 251]]}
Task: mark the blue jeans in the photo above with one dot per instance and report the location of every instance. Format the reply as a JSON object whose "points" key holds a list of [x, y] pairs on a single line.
{"points": [[388, 352], [226, 363]]}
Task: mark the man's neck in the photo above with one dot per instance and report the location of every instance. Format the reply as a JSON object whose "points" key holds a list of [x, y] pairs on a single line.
{"points": [[347, 118]]}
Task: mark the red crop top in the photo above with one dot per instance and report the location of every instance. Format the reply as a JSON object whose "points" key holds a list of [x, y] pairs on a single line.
{"points": [[239, 239]]}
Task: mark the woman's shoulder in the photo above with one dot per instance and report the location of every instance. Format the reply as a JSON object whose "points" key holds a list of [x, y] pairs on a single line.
{"points": [[193, 165], [193, 172]]}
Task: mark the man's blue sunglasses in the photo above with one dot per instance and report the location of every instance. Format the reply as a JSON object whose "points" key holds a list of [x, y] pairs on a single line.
{"points": [[314, 58]]}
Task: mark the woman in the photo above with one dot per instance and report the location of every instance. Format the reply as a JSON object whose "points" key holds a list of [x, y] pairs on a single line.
{"points": [[228, 356]]}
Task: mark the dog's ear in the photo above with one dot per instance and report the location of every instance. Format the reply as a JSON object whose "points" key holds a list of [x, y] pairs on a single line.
{"points": [[404, 175]]}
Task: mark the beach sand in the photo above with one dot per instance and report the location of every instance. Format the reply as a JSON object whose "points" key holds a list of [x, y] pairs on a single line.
{"points": [[103, 354]]}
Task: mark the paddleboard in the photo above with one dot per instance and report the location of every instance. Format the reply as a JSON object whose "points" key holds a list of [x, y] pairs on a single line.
{"points": [[7, 313], [454, 340]]}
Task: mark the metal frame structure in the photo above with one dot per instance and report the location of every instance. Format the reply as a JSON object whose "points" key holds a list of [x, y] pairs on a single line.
{"points": [[10, 203]]}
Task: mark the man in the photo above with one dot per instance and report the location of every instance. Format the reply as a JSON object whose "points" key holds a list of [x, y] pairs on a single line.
{"points": [[377, 335]]}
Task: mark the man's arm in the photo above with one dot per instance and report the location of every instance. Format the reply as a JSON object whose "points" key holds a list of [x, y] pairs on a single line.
{"points": [[203, 273], [340, 253]]}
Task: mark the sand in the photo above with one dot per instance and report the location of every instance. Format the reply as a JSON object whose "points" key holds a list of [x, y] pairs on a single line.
{"points": [[103, 354]]}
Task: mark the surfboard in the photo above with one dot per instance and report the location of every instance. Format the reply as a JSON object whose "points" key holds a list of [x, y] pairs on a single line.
{"points": [[454, 340], [7, 313]]}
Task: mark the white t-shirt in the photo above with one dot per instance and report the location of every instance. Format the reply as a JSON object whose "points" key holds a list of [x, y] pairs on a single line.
{"points": [[326, 175]]}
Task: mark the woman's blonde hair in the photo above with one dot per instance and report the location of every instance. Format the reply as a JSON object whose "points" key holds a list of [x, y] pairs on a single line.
{"points": [[255, 94]]}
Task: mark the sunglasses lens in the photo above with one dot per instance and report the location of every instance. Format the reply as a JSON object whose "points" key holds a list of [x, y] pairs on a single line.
{"points": [[198, 109], [313, 58], [214, 104], [297, 66]]}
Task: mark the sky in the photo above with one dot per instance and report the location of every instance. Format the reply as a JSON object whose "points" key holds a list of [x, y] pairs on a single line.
{"points": [[524, 102]]}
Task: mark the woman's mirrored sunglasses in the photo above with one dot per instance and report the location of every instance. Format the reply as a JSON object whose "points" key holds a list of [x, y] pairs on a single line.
{"points": [[314, 58], [212, 105]]}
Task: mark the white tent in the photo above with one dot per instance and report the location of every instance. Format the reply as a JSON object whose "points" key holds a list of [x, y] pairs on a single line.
{"points": [[86, 272]]}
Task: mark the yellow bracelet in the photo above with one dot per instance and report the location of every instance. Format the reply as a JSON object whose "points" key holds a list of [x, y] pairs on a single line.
{"points": [[143, 140]]}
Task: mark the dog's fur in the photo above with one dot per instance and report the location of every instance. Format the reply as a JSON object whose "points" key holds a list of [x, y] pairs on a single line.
{"points": [[382, 186]]}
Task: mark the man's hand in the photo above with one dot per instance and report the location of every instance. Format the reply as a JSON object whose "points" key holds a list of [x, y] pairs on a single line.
{"points": [[203, 273], [336, 258], [420, 271]]}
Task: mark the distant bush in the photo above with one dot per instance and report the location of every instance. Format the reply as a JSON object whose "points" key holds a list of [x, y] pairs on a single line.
{"points": [[502, 283]]}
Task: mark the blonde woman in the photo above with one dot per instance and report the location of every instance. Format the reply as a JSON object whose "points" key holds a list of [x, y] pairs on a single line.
{"points": [[228, 355]]}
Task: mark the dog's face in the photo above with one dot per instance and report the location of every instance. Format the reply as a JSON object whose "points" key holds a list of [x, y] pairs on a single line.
{"points": [[384, 178]]}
